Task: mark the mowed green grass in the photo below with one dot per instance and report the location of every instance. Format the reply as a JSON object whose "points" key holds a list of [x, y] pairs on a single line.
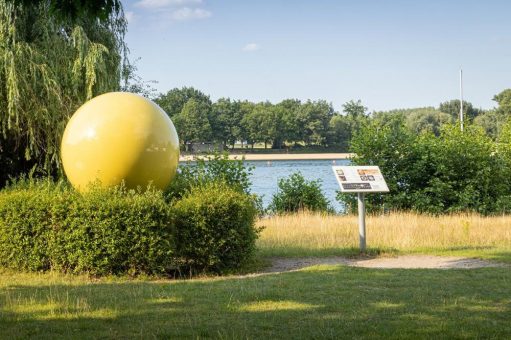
{"points": [[321, 302]]}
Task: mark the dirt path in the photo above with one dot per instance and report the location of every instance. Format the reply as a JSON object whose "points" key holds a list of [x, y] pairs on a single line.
{"points": [[405, 262]]}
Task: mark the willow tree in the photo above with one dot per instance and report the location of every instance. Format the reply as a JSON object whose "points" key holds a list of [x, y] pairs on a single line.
{"points": [[49, 66]]}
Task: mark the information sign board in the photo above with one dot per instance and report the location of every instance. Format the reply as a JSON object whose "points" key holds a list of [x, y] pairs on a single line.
{"points": [[367, 178]]}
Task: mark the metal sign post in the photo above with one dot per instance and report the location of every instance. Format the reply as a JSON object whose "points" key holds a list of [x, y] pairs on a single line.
{"points": [[362, 221], [359, 180]]}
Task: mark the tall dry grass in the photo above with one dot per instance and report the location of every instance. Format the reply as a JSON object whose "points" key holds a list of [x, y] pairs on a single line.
{"points": [[309, 233]]}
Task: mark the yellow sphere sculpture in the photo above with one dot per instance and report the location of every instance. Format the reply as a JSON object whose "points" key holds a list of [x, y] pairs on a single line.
{"points": [[119, 137]]}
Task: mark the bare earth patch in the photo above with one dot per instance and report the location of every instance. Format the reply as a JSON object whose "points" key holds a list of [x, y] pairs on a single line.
{"points": [[405, 262]]}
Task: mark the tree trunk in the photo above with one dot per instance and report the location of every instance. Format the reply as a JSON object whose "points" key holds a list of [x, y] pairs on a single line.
{"points": [[277, 144]]}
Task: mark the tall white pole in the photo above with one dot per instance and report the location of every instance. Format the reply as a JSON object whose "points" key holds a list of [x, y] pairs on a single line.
{"points": [[461, 99]]}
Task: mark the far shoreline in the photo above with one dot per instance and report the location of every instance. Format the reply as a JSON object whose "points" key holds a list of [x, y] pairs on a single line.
{"points": [[276, 156]]}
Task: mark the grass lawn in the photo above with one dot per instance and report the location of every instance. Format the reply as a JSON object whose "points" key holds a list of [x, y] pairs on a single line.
{"points": [[327, 301], [318, 302]]}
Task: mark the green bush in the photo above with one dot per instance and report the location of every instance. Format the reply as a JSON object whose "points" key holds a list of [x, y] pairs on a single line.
{"points": [[296, 193], [455, 171], [215, 228], [216, 168], [49, 226], [119, 231], [25, 228]]}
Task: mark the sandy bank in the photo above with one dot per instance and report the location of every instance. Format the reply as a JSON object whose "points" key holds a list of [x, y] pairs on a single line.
{"points": [[281, 157]]}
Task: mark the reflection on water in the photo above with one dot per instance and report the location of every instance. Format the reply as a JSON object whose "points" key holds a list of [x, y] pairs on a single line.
{"points": [[266, 174]]}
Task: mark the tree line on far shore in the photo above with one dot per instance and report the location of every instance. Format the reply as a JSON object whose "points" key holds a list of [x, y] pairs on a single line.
{"points": [[292, 123]]}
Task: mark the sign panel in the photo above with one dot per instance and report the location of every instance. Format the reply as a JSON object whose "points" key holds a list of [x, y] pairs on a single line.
{"points": [[366, 178]]}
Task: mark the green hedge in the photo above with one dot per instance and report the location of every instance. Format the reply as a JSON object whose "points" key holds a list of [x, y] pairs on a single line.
{"points": [[45, 226], [102, 232], [215, 227]]}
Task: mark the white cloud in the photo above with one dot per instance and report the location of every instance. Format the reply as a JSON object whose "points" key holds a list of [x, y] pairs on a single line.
{"points": [[187, 13], [164, 11], [251, 47], [162, 4]]}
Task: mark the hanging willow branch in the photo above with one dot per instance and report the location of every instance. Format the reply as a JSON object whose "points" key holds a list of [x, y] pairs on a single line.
{"points": [[47, 70]]}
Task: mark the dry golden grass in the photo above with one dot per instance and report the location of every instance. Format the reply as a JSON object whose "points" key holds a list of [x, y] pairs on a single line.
{"points": [[315, 234]]}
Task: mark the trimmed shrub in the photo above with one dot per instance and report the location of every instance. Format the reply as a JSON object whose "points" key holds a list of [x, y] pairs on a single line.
{"points": [[114, 231], [118, 231], [295, 193], [215, 228], [25, 227], [49, 226]]}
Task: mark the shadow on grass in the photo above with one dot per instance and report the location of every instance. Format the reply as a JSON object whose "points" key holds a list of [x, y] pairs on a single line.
{"points": [[318, 302]]}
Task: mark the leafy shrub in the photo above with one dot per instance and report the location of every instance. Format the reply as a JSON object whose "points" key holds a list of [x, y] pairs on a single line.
{"points": [[25, 227], [455, 171], [119, 231], [296, 193], [215, 168], [215, 228], [47, 226]]}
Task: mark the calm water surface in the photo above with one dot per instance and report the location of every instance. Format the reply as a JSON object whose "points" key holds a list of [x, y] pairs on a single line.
{"points": [[265, 176]]}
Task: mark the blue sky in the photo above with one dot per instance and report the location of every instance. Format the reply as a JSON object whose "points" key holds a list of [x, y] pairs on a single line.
{"points": [[390, 54]]}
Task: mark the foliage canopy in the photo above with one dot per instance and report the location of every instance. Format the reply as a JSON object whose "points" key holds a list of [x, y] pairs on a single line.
{"points": [[48, 68], [72, 10], [456, 171]]}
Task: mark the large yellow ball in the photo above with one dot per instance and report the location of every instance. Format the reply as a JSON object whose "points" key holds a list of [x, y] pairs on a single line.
{"points": [[119, 137]]}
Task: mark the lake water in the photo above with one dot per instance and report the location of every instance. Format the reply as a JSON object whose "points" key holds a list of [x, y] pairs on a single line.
{"points": [[265, 176]]}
